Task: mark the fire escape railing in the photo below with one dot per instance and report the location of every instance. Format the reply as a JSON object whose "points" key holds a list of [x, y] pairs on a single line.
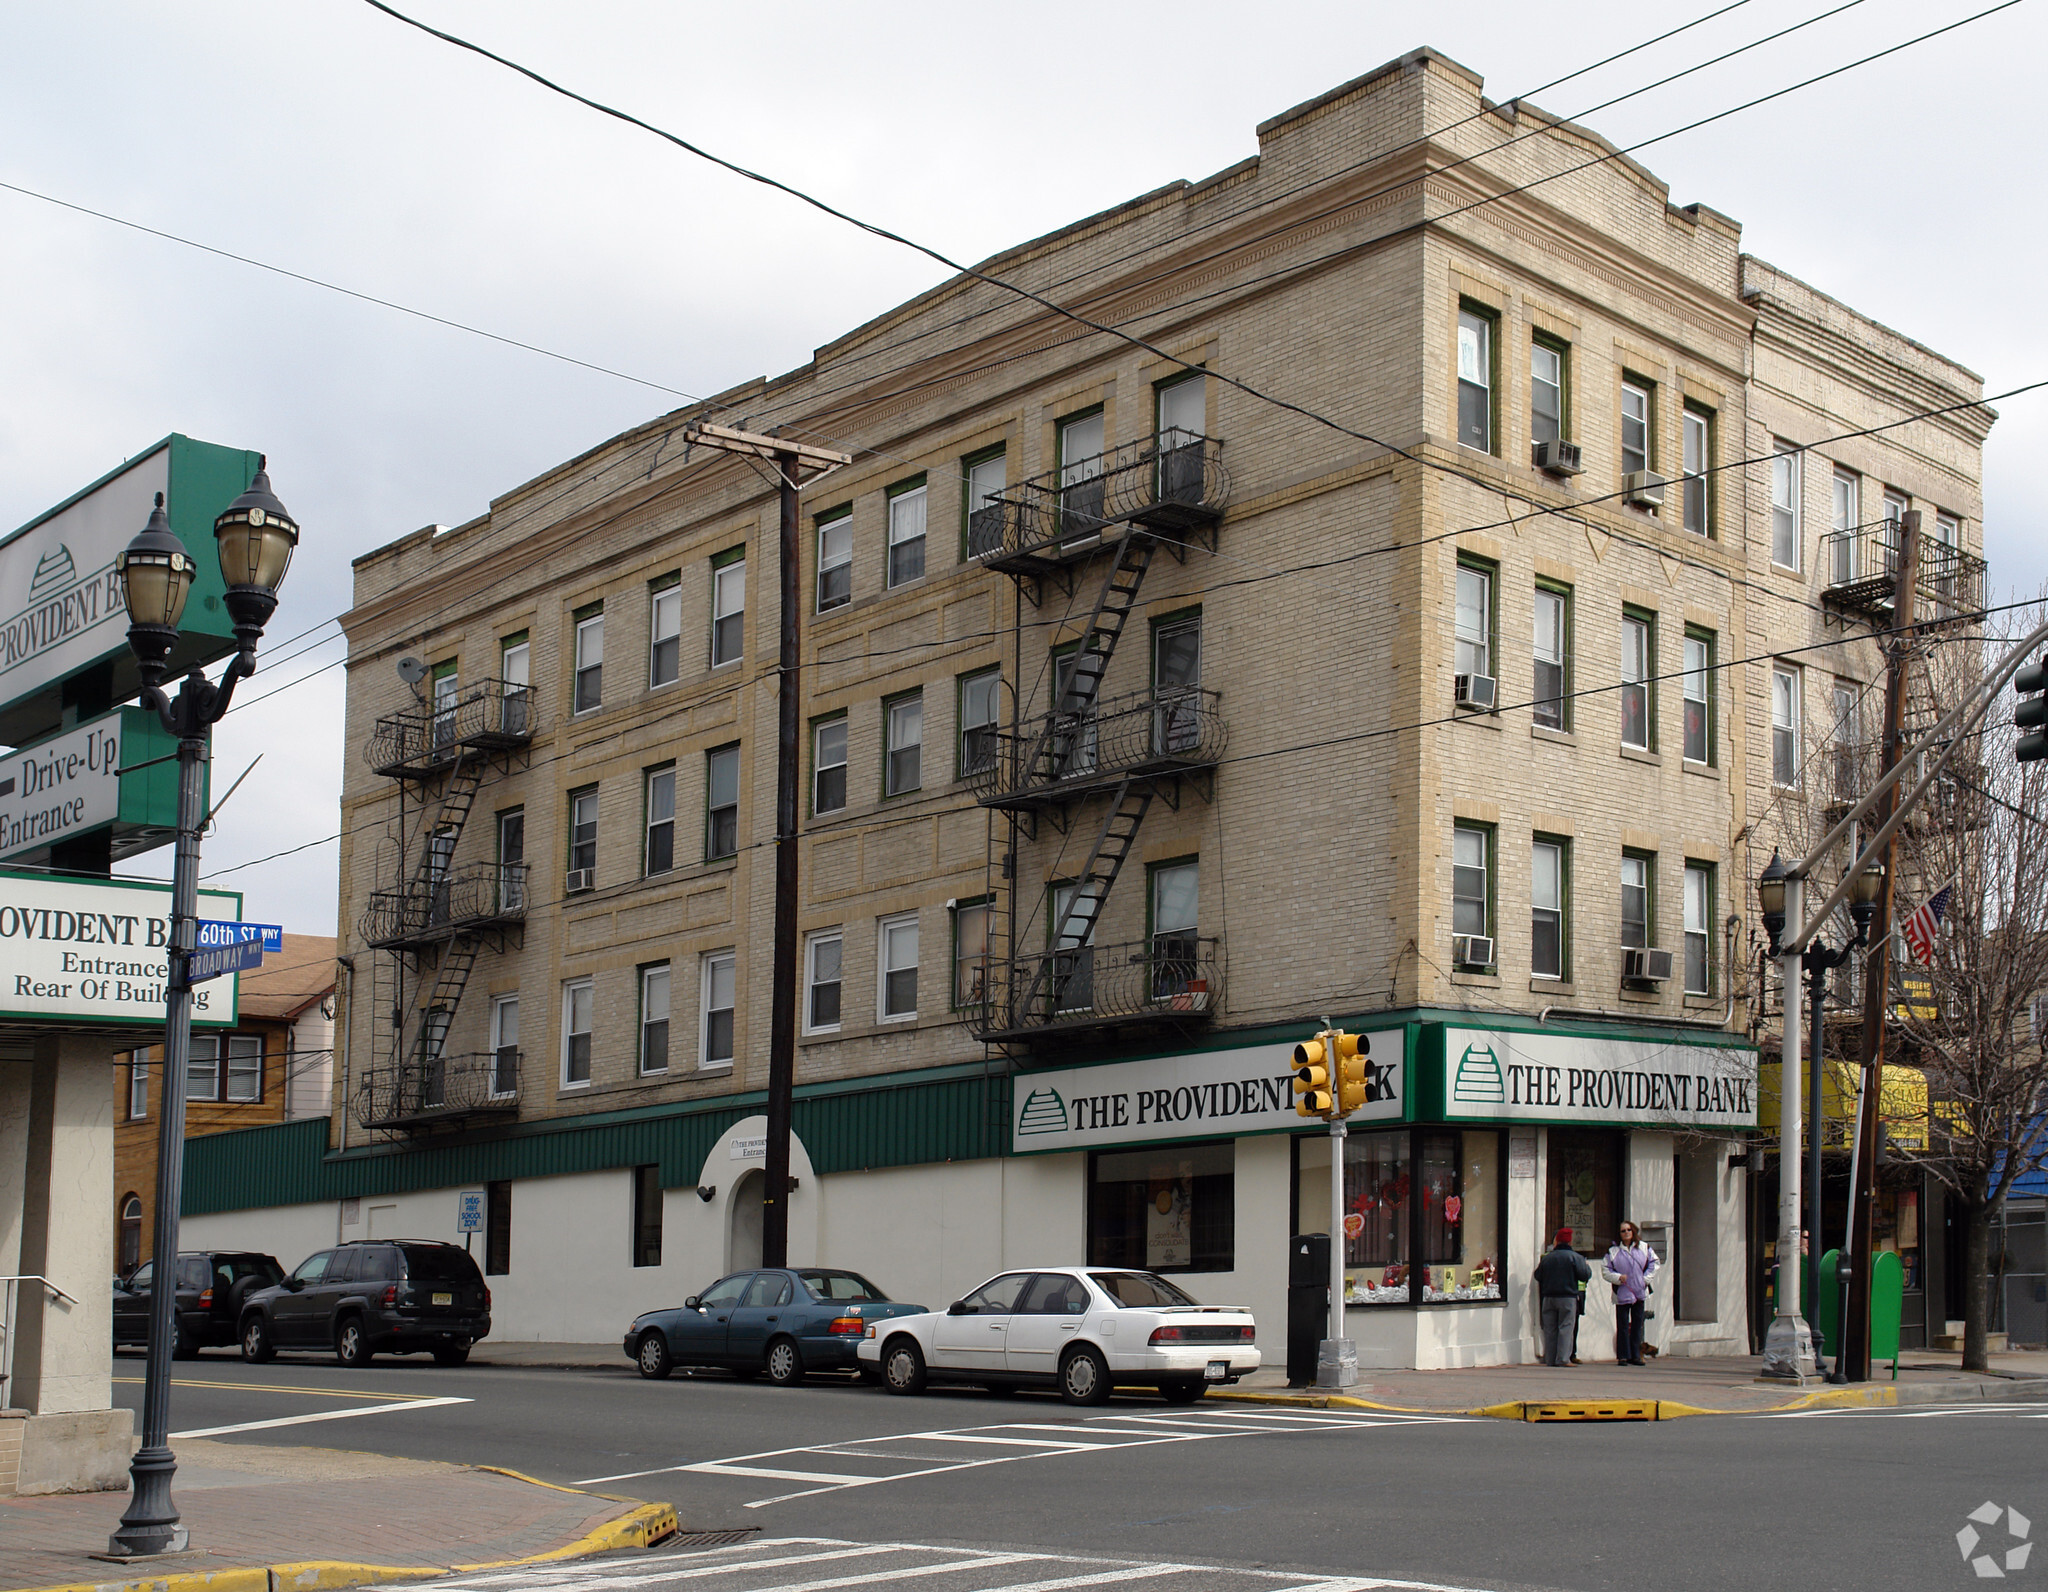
{"points": [[1861, 569], [489, 716], [1170, 979], [1172, 482], [1167, 730], [436, 907], [439, 1088]]}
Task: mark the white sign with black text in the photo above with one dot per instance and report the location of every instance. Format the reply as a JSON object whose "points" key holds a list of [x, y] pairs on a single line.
{"points": [[1205, 1094], [77, 950], [1494, 1075], [61, 787]]}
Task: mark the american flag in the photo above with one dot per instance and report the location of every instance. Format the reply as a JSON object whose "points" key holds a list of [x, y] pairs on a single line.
{"points": [[1918, 931]]}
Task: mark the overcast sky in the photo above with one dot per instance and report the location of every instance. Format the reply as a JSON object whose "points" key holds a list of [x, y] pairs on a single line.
{"points": [[330, 140]]}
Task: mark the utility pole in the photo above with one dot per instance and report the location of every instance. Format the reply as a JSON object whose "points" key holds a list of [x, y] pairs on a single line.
{"points": [[1853, 1358], [791, 461]]}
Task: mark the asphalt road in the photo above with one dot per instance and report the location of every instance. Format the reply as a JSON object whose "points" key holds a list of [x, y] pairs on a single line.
{"points": [[1063, 1496]]}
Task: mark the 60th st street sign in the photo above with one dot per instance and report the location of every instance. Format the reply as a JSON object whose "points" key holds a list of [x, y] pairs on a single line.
{"points": [[96, 953]]}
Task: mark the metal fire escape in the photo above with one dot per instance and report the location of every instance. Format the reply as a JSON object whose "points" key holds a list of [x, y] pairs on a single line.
{"points": [[1115, 514], [428, 928]]}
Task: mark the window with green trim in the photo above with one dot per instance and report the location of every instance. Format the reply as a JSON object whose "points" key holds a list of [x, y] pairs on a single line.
{"points": [[1697, 686], [1172, 916], [980, 704], [1638, 899], [835, 559], [722, 802], [828, 764], [1478, 328], [1472, 894], [1476, 622], [660, 798], [1552, 695], [1699, 928], [903, 745], [665, 629], [970, 951], [589, 691], [728, 606], [906, 531], [986, 476], [1550, 876], [1549, 375], [1638, 679], [1638, 423]]}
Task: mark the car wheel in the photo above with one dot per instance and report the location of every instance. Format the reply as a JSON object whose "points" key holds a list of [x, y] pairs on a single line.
{"points": [[351, 1346], [452, 1354], [903, 1367], [651, 1355], [257, 1348], [1185, 1392], [1084, 1377], [785, 1363]]}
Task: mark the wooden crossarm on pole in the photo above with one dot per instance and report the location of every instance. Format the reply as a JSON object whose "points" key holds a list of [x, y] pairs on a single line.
{"points": [[730, 439]]}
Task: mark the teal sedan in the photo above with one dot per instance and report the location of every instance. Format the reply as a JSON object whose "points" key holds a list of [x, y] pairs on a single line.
{"points": [[778, 1324]]}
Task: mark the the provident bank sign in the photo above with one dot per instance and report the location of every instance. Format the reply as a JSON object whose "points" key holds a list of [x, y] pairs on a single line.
{"points": [[93, 952]]}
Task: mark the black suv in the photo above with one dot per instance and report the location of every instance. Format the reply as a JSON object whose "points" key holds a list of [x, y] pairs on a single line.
{"points": [[402, 1296], [213, 1286]]}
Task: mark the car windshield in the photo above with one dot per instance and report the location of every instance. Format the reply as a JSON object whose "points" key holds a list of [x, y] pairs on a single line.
{"points": [[1138, 1290], [843, 1287], [433, 1263]]}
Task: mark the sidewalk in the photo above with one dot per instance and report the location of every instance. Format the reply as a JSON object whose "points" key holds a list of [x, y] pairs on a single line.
{"points": [[265, 1518], [1689, 1386]]}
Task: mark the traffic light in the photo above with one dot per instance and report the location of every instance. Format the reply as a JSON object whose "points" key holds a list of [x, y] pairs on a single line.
{"points": [[1352, 1071], [2031, 716], [1312, 1097]]}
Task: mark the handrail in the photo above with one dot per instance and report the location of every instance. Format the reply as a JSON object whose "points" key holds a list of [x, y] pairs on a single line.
{"points": [[53, 1288]]}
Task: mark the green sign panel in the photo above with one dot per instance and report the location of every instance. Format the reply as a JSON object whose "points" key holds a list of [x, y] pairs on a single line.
{"points": [[117, 772]]}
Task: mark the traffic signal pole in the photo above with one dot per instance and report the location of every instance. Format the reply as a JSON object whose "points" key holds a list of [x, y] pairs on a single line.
{"points": [[1339, 1129], [1329, 1082]]}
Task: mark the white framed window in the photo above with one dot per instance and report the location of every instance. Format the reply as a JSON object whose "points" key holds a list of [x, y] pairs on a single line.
{"points": [[1474, 626], [1081, 485], [1475, 380], [903, 769], [1471, 895], [828, 765], [721, 803], [1546, 909], [202, 1069], [1635, 682], [1848, 739], [1635, 901], [1635, 427], [1546, 391], [1785, 537], [980, 702], [1699, 659], [654, 986], [1176, 945], [665, 632], [1846, 509], [1553, 626], [987, 478], [504, 1045], [824, 967], [138, 1085], [728, 612], [720, 983], [589, 662], [1699, 938], [447, 691], [244, 1066], [906, 535], [1785, 719], [661, 820], [515, 669], [583, 830], [897, 968], [579, 1009], [1697, 449], [835, 562]]}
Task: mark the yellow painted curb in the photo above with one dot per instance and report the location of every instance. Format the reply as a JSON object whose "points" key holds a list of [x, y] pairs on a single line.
{"points": [[321, 1575], [643, 1528]]}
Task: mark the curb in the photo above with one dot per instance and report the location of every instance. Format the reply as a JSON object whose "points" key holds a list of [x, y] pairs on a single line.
{"points": [[1869, 1396], [641, 1527]]}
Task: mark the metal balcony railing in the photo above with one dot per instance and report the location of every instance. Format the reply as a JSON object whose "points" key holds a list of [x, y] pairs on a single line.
{"points": [[490, 716], [1171, 979], [1174, 482], [1055, 756], [1861, 568], [478, 895], [426, 1090]]}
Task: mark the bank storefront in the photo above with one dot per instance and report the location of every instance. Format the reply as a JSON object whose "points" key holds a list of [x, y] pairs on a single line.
{"points": [[1476, 1145]]}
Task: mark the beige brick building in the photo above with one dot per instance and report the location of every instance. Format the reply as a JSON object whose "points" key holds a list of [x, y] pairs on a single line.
{"points": [[1402, 636]]}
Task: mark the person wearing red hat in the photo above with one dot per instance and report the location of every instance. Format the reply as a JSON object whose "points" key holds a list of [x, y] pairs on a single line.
{"points": [[1559, 1276]]}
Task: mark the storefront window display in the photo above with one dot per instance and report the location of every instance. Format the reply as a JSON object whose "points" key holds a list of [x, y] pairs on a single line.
{"points": [[1422, 1213], [1584, 1187], [1173, 1208]]}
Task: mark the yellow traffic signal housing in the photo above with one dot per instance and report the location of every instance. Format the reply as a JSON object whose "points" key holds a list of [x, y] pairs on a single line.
{"points": [[1312, 1096], [1352, 1072]]}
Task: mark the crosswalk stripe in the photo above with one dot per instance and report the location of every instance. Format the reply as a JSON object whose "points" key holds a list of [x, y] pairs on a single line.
{"points": [[904, 1574]]}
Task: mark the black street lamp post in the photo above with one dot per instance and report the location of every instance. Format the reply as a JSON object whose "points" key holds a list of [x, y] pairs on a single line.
{"points": [[254, 539]]}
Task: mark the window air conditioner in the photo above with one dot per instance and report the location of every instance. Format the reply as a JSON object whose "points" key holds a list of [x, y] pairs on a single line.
{"points": [[1558, 457], [1650, 967], [1643, 488], [579, 880], [1472, 950], [1473, 690]]}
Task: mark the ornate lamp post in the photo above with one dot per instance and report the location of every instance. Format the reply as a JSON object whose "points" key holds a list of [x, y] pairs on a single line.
{"points": [[1788, 1345], [254, 538]]}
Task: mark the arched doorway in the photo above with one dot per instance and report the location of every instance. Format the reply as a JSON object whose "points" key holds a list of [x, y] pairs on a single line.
{"points": [[129, 1247], [743, 1244]]}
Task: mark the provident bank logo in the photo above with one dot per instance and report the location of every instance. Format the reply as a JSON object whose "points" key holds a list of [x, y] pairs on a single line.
{"points": [[1044, 1112], [1478, 1081], [58, 605]]}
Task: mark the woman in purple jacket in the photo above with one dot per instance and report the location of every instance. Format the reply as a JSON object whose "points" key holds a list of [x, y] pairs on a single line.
{"points": [[1630, 1265]]}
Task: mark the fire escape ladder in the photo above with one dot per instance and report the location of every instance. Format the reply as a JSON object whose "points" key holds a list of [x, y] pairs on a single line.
{"points": [[1083, 685], [464, 780], [1074, 934]]}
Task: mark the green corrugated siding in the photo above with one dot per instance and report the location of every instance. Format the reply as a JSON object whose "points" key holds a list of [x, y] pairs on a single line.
{"points": [[960, 1114]]}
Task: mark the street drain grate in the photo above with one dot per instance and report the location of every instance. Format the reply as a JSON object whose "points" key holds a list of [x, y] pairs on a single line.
{"points": [[711, 1539]]}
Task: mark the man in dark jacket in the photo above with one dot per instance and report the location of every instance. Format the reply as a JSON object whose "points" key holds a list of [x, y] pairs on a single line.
{"points": [[1559, 1276]]}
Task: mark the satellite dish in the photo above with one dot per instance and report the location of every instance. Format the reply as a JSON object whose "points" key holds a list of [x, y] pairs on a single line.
{"points": [[411, 670]]}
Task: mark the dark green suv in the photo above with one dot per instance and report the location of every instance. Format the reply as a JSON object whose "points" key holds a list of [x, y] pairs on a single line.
{"points": [[374, 1296]]}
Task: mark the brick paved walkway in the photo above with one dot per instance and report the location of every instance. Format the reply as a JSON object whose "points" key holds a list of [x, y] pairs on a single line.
{"points": [[249, 1505]]}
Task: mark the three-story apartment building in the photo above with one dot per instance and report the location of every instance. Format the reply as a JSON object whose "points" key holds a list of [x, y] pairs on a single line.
{"points": [[1390, 621]]}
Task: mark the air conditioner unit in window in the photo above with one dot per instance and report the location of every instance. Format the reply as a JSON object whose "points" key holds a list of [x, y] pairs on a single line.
{"points": [[579, 880], [1558, 457], [1472, 950], [1643, 488], [1473, 690], [1649, 967]]}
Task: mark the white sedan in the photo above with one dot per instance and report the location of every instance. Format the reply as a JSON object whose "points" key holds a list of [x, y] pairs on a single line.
{"points": [[1082, 1329]]}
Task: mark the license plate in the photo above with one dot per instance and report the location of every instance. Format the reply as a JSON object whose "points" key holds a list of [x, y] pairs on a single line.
{"points": [[444, 1299], [1216, 1371]]}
